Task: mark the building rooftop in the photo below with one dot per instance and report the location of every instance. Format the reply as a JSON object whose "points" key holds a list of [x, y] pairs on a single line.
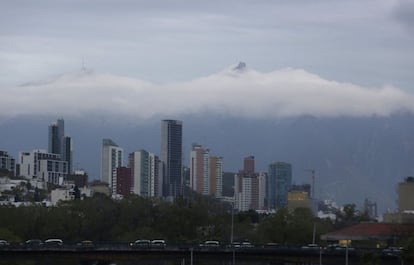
{"points": [[369, 231]]}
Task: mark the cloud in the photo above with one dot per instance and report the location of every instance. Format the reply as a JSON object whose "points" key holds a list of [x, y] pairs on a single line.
{"points": [[404, 13], [235, 92]]}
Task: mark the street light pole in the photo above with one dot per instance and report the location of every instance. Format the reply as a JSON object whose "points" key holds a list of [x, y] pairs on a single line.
{"points": [[346, 254], [232, 223]]}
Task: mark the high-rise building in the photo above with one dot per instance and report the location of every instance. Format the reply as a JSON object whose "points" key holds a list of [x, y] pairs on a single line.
{"points": [[278, 184], [123, 180], [249, 187], [171, 156], [145, 169], [111, 159], [6, 161], [67, 152], [61, 144], [140, 169], [206, 172], [200, 170], [216, 176], [56, 134], [155, 168], [44, 166], [249, 191], [248, 165]]}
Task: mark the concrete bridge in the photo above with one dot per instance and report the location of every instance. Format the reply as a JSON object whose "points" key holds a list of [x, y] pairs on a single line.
{"points": [[224, 255]]}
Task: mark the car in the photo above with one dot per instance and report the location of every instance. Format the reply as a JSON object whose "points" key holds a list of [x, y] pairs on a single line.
{"points": [[246, 244], [271, 245], [4, 243], [336, 248], [141, 243], [33, 243], [311, 246], [211, 244], [85, 244], [158, 243], [53, 243], [235, 245], [393, 251]]}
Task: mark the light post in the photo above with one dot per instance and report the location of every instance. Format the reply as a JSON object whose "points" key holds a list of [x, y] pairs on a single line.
{"points": [[320, 255], [346, 254], [232, 223], [232, 231]]}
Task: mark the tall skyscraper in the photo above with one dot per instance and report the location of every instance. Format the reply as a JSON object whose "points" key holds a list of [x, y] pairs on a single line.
{"points": [[139, 162], [278, 184], [67, 152], [61, 144], [56, 133], [171, 156], [155, 168], [206, 172], [111, 159], [216, 176], [200, 170]]}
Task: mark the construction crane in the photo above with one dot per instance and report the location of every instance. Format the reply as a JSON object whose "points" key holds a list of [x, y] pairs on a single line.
{"points": [[313, 182]]}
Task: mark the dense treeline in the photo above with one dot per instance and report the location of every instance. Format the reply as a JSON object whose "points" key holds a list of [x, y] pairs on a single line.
{"points": [[187, 220]]}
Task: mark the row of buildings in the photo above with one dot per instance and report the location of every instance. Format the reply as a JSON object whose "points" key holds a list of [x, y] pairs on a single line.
{"points": [[46, 166], [150, 175]]}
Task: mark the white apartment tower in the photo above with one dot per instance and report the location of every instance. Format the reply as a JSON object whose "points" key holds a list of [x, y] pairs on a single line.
{"points": [[206, 172], [145, 170], [44, 166], [111, 159], [155, 167], [249, 191]]}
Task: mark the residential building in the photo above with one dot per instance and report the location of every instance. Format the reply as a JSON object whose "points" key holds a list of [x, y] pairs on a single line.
{"points": [[123, 181], [249, 187], [216, 176], [79, 177], [171, 156], [200, 170], [140, 170], [248, 165], [111, 159], [206, 172], [278, 184], [155, 175], [7, 162], [42, 165], [249, 191]]}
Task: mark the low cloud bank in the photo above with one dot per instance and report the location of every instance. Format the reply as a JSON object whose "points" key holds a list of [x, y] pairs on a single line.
{"points": [[237, 91]]}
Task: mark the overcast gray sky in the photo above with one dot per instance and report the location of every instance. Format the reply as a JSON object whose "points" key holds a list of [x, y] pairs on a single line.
{"points": [[353, 57]]}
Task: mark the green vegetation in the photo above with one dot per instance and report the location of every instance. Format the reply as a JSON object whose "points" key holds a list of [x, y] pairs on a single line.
{"points": [[188, 220]]}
